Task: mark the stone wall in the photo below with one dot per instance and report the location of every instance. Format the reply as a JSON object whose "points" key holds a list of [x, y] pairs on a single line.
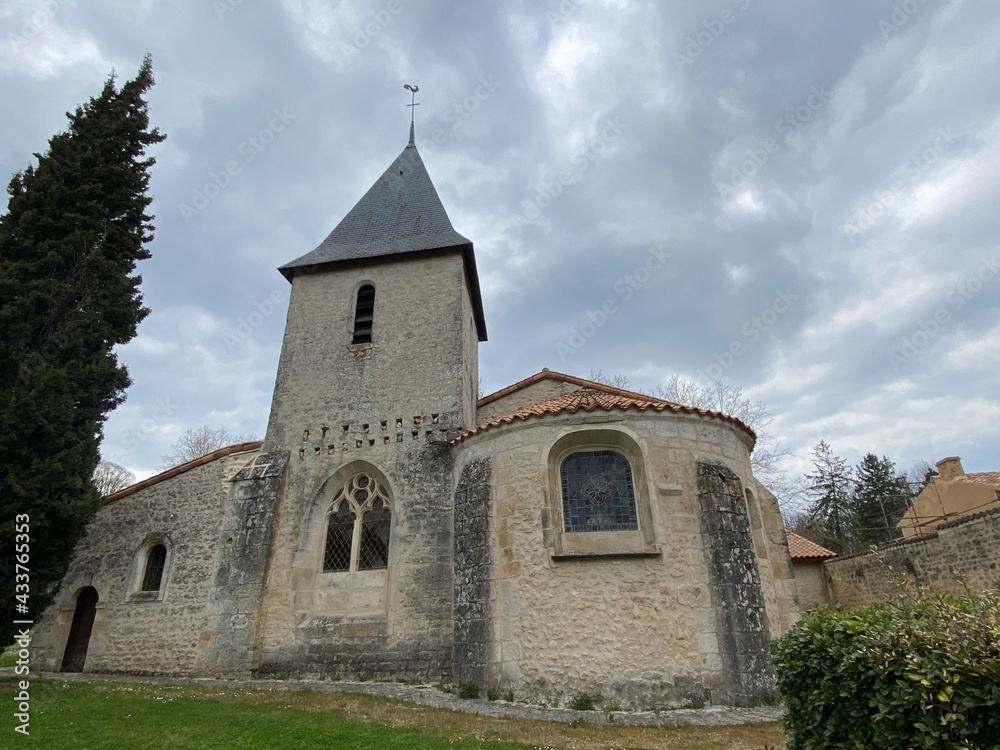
{"points": [[637, 625], [531, 394], [387, 408], [229, 643], [811, 583], [140, 632], [335, 398], [394, 623], [959, 556]]}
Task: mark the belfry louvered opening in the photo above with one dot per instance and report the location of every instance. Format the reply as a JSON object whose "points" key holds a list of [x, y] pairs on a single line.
{"points": [[364, 314]]}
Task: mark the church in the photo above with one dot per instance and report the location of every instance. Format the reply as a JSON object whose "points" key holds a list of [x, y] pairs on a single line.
{"points": [[554, 538]]}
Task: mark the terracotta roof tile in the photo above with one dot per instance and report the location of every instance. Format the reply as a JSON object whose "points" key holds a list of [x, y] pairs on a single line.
{"points": [[590, 397], [991, 478], [802, 549]]}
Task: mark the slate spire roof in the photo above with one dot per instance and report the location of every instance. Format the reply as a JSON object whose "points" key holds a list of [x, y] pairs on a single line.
{"points": [[400, 213]]}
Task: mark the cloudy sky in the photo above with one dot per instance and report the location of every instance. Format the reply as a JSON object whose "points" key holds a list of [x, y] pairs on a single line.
{"points": [[796, 197]]}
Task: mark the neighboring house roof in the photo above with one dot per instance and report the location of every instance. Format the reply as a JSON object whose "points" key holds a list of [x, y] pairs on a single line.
{"points": [[804, 550], [990, 478], [182, 468], [591, 396], [400, 213]]}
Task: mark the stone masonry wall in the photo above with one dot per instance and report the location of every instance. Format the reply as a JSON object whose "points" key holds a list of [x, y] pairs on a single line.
{"points": [[532, 394], [133, 632], [639, 629], [963, 555], [742, 627], [473, 626], [387, 407], [229, 642]]}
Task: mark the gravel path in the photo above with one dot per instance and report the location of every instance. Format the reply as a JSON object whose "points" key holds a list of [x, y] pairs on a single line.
{"points": [[430, 695]]}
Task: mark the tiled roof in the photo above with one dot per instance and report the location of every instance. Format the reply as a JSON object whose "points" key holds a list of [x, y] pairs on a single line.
{"points": [[991, 478], [589, 398], [802, 549], [400, 213], [182, 468], [591, 385]]}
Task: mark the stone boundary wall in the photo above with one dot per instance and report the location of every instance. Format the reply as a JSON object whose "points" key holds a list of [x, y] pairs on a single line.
{"points": [[959, 556]]}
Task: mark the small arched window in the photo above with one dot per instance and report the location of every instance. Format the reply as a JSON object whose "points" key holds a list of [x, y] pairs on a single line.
{"points": [[364, 314], [597, 492], [361, 512], [156, 559]]}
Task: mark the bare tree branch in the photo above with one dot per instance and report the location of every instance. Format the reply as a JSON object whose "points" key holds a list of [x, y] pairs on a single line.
{"points": [[199, 441], [109, 477], [615, 381]]}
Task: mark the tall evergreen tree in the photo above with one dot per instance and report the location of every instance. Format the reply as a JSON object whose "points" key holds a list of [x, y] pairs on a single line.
{"points": [[880, 498], [75, 227], [830, 487]]}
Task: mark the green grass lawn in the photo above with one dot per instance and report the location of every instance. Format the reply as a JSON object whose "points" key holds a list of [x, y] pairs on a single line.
{"points": [[78, 716], [8, 658], [135, 716]]}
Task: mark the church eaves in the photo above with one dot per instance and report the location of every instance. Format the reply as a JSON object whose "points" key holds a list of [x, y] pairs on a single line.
{"points": [[400, 213]]}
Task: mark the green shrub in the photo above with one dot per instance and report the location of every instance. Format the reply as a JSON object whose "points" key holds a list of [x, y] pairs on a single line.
{"points": [[468, 691], [582, 702], [923, 674]]}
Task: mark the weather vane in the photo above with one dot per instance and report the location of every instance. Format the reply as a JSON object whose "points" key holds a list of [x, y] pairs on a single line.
{"points": [[413, 103], [413, 98]]}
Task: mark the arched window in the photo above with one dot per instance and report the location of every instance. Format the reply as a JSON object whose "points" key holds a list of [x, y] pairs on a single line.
{"points": [[364, 314], [597, 492], [361, 512], [156, 559], [339, 539]]}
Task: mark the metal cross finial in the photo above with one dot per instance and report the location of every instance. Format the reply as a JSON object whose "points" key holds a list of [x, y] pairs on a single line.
{"points": [[413, 103]]}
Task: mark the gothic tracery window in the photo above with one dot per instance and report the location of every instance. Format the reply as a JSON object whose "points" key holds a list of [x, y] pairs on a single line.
{"points": [[357, 535], [597, 492]]}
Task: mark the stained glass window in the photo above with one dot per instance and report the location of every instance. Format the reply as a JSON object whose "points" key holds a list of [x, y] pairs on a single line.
{"points": [[597, 492]]}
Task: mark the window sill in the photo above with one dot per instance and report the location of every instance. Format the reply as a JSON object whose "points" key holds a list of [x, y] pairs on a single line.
{"points": [[145, 596], [607, 554]]}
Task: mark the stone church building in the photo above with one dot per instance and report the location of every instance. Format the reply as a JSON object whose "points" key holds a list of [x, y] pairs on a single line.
{"points": [[556, 537]]}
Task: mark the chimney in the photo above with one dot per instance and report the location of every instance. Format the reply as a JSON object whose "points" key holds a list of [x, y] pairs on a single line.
{"points": [[950, 468]]}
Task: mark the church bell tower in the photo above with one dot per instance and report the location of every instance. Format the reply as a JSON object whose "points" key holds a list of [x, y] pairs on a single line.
{"points": [[383, 323], [378, 372]]}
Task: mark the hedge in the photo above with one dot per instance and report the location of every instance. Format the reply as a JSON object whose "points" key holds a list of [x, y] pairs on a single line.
{"points": [[916, 674]]}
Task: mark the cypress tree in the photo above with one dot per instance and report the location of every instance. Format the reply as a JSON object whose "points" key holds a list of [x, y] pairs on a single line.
{"points": [[75, 227]]}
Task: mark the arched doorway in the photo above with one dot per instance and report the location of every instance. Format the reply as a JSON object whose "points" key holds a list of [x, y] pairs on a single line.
{"points": [[79, 632]]}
